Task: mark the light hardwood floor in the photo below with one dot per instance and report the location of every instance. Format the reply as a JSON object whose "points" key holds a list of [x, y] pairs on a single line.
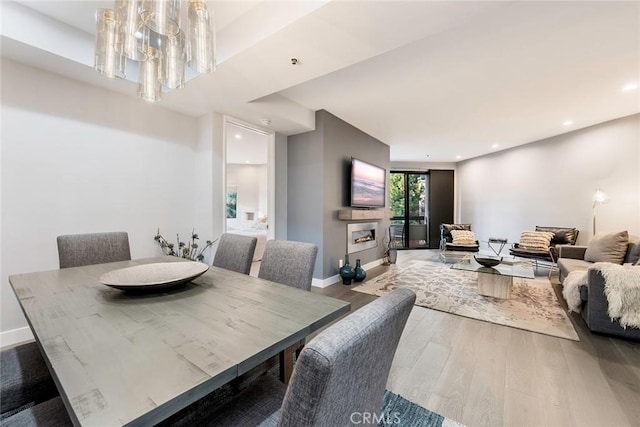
{"points": [[482, 374]]}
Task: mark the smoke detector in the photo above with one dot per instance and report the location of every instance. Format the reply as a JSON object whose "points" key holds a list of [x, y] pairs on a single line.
{"points": [[265, 122]]}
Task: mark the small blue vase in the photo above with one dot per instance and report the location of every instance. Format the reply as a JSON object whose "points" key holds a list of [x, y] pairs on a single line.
{"points": [[347, 273], [361, 274]]}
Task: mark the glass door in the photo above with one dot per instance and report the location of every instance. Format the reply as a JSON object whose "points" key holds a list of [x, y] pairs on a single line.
{"points": [[408, 200], [397, 203]]}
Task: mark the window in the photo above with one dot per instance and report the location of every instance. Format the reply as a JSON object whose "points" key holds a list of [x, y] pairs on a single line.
{"points": [[232, 202]]}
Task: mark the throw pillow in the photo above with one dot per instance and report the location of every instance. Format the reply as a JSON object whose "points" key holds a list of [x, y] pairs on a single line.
{"points": [[607, 248], [633, 253], [463, 237], [561, 236], [536, 240]]}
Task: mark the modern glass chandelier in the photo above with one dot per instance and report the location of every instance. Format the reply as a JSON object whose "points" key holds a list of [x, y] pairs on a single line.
{"points": [[149, 32]]}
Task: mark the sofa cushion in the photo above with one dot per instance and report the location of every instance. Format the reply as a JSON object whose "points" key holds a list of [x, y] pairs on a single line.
{"points": [[567, 265], [463, 237], [610, 247], [535, 240], [561, 235]]}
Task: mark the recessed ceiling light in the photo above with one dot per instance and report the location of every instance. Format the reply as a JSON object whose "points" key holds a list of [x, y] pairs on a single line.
{"points": [[567, 123], [630, 86], [495, 146], [458, 157], [247, 161], [238, 136]]}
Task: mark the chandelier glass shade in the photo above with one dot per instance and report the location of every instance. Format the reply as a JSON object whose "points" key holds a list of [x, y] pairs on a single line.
{"points": [[108, 62], [150, 33]]}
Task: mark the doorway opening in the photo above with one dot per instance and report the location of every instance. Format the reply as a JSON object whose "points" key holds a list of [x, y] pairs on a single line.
{"points": [[248, 193]]}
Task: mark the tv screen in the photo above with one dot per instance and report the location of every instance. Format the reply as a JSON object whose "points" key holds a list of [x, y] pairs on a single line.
{"points": [[367, 185]]}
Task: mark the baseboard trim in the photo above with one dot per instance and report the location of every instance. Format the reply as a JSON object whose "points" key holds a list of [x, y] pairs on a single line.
{"points": [[323, 283], [15, 336]]}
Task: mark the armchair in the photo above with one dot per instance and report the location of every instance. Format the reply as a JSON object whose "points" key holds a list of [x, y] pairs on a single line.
{"points": [[561, 236], [450, 249]]}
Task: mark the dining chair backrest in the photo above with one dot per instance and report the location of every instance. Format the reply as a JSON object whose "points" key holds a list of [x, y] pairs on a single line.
{"points": [[344, 369], [76, 250], [290, 263], [235, 252]]}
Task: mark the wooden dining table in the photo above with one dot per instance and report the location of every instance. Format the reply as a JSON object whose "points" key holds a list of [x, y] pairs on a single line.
{"points": [[121, 358]]}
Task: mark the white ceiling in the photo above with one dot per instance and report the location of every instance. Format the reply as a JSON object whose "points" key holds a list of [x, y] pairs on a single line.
{"points": [[434, 80]]}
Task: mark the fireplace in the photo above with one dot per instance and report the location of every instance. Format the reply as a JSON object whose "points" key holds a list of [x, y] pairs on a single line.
{"points": [[361, 236]]}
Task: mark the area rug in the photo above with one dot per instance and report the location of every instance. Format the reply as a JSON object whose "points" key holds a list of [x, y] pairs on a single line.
{"points": [[398, 411], [533, 305]]}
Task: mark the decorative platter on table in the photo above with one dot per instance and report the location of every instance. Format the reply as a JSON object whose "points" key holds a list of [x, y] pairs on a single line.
{"points": [[153, 277], [487, 261]]}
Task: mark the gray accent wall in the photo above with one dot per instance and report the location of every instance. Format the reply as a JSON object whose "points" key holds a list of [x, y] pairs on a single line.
{"points": [[552, 181], [319, 182]]}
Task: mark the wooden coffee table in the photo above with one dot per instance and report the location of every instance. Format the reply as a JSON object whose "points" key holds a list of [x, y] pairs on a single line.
{"points": [[497, 281]]}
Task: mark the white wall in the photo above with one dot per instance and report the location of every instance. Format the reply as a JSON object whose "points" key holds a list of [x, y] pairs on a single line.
{"points": [[551, 182], [209, 180], [78, 159]]}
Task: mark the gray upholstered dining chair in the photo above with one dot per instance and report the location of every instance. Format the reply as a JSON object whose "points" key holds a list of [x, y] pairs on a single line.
{"points": [[235, 252], [76, 250], [290, 263], [343, 370], [50, 413], [25, 378]]}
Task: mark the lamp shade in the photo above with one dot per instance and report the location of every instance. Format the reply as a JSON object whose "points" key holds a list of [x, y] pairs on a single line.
{"points": [[162, 16], [201, 38], [173, 61], [149, 32], [129, 23], [108, 61], [599, 196], [149, 84]]}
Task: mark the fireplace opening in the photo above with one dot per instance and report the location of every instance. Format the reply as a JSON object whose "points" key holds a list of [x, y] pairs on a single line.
{"points": [[361, 236]]}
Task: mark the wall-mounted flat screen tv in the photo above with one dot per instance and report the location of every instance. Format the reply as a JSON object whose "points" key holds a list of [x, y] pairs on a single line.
{"points": [[367, 185]]}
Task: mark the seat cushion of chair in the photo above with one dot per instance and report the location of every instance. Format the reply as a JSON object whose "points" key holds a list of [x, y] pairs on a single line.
{"points": [[257, 405], [50, 413], [464, 248], [526, 253], [24, 377]]}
